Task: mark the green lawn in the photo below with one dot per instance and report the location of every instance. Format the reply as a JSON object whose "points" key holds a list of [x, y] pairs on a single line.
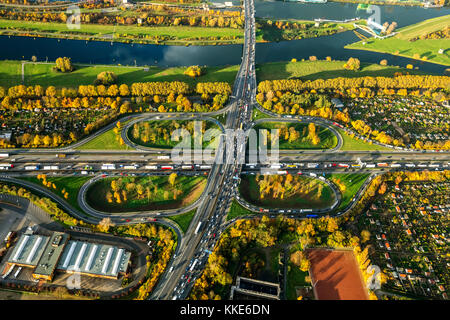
{"points": [[424, 48], [327, 139], [349, 143], [184, 34], [43, 74], [236, 210], [72, 184], [249, 189], [191, 188], [105, 141], [295, 278], [352, 182], [312, 70], [184, 220]]}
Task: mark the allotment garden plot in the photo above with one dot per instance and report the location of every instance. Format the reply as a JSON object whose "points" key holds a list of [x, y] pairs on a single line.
{"points": [[408, 120], [408, 228]]}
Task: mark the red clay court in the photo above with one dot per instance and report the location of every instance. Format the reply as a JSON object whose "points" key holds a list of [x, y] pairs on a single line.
{"points": [[336, 275]]}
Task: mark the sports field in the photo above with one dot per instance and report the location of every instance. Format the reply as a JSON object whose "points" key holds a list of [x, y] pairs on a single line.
{"points": [[335, 275]]}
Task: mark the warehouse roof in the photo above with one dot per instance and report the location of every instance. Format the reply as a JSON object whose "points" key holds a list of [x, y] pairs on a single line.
{"points": [[50, 257], [28, 250], [94, 259]]}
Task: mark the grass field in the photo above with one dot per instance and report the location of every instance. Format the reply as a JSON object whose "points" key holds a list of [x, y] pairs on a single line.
{"points": [[72, 184], [352, 183], [105, 141], [184, 34], [191, 188], [349, 143], [400, 43], [43, 74], [312, 70], [295, 278], [184, 220], [327, 139], [236, 210], [249, 189]]}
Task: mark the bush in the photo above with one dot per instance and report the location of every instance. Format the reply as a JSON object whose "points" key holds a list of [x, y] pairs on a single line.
{"points": [[106, 78], [352, 64], [193, 71], [64, 65], [383, 62]]}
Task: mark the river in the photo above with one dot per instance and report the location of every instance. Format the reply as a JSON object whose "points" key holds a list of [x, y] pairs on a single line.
{"points": [[98, 52]]}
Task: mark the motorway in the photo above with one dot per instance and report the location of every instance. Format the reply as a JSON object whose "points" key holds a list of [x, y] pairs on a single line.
{"points": [[206, 224], [209, 221]]}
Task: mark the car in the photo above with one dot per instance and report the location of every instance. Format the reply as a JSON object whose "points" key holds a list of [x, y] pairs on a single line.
{"points": [[128, 220]]}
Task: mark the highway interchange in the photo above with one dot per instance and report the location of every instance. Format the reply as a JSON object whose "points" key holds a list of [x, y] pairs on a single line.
{"points": [[209, 222]]}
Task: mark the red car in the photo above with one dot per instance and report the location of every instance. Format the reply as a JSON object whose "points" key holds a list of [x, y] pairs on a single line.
{"points": [[128, 220]]}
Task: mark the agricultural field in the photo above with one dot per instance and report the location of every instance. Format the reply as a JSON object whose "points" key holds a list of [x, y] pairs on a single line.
{"points": [[158, 134], [412, 121], [407, 229], [408, 42], [144, 193], [292, 192], [295, 136]]}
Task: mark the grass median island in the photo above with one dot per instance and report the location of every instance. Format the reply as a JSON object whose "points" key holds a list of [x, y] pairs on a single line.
{"points": [[109, 140], [184, 220], [402, 45], [350, 143], [295, 136], [41, 73], [349, 184], [158, 133], [236, 211], [286, 191], [127, 194], [70, 184], [322, 69]]}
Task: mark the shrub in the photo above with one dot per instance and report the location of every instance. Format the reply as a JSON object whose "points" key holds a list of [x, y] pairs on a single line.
{"points": [[193, 71], [106, 78], [63, 65], [352, 64], [383, 62]]}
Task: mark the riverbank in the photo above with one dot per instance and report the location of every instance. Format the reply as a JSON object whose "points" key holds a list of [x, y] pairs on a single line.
{"points": [[165, 35], [404, 43], [41, 73]]}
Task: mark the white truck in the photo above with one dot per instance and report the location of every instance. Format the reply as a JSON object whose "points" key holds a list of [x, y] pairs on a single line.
{"points": [[108, 166], [50, 168], [30, 168]]}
